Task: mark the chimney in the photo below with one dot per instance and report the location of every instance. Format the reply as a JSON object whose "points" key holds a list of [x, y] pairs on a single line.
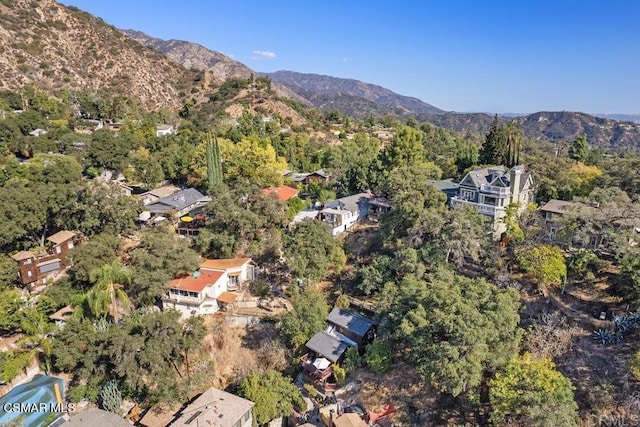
{"points": [[514, 179]]}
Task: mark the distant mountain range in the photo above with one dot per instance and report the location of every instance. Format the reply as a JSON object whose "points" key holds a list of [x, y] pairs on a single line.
{"points": [[352, 97], [63, 47]]}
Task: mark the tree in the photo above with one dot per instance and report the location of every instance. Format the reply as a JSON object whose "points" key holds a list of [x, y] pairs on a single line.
{"points": [[453, 328], [308, 248], [379, 357], [494, 149], [159, 258], [37, 331], [579, 148], [546, 263], [107, 292], [308, 316], [532, 392], [274, 395], [405, 149], [93, 254], [513, 140], [214, 163]]}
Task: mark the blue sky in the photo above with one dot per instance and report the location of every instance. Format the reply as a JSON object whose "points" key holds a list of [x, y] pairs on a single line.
{"points": [[513, 56]]}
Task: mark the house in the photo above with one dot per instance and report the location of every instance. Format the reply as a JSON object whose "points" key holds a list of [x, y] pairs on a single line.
{"points": [[162, 130], [179, 204], [208, 290], [217, 408], [157, 193], [345, 329], [306, 178], [344, 213], [36, 269], [491, 190], [552, 212], [96, 417], [352, 325], [377, 207], [282, 193], [61, 316], [447, 186]]}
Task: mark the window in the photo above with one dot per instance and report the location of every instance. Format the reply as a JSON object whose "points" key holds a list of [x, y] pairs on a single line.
{"points": [[549, 216], [487, 200], [246, 416], [58, 249], [467, 194], [233, 280], [27, 261], [70, 245], [29, 273]]}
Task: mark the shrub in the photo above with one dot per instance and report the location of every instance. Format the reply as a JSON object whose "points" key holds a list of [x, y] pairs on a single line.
{"points": [[379, 357], [77, 393], [340, 373], [352, 359]]}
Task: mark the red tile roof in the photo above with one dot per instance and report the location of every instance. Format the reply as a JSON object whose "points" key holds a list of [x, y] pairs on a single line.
{"points": [[283, 193], [224, 264], [196, 284]]}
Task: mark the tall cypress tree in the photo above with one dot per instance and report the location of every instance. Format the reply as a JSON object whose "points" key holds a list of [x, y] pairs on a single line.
{"points": [[214, 163], [494, 149]]}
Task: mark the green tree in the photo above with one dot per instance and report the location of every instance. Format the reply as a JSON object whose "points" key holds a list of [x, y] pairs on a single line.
{"points": [[37, 331], [546, 263], [308, 249], [107, 292], [214, 163], [309, 314], [91, 255], [159, 258], [274, 395], [379, 357], [494, 149], [453, 328], [532, 392], [513, 139], [579, 149], [405, 149]]}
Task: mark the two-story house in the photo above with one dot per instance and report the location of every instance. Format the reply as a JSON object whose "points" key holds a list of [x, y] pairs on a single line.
{"points": [[491, 190], [209, 289], [36, 269], [344, 213], [345, 328], [552, 212], [217, 408]]}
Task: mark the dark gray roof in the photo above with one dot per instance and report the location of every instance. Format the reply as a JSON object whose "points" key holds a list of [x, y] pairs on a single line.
{"points": [[444, 184], [178, 201], [350, 203], [328, 346], [350, 320]]}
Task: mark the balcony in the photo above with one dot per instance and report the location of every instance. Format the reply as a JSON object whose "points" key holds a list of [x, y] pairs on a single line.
{"points": [[500, 191], [489, 210]]}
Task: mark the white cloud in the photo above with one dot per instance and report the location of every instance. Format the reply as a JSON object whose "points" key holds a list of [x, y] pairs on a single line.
{"points": [[263, 54], [346, 59]]}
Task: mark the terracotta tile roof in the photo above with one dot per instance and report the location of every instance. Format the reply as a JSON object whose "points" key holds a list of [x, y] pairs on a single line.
{"points": [[61, 236], [227, 297], [224, 264], [283, 193], [22, 255], [197, 282]]}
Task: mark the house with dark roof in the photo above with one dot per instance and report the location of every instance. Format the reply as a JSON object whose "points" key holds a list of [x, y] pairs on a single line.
{"points": [[306, 178], [344, 213], [448, 186], [345, 329], [352, 325], [491, 190], [179, 204]]}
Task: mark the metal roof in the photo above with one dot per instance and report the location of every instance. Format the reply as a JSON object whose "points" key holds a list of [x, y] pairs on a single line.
{"points": [[328, 346], [350, 320]]}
